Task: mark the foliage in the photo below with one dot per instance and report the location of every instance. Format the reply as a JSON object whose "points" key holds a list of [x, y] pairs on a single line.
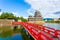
{"points": [[52, 21], [24, 20], [6, 15], [59, 19]]}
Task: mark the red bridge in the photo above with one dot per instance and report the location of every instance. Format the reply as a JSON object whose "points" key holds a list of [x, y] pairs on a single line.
{"points": [[40, 32]]}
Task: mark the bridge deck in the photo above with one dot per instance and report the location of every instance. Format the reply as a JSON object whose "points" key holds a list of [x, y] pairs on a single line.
{"points": [[40, 32]]}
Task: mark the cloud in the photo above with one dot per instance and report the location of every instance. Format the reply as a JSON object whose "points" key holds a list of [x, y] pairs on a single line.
{"points": [[30, 11], [51, 15], [46, 7], [15, 14], [26, 18], [0, 13], [57, 12]]}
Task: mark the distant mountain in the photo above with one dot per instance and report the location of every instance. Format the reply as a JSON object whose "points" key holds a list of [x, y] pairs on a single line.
{"points": [[0, 10], [48, 18], [57, 12]]}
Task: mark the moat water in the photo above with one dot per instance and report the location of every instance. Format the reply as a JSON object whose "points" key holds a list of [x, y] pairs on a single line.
{"points": [[13, 37], [53, 25], [19, 36]]}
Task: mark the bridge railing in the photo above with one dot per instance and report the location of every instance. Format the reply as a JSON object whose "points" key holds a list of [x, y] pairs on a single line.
{"points": [[39, 32], [38, 35], [53, 32]]}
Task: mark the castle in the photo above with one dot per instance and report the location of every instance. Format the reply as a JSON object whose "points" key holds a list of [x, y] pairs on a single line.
{"points": [[37, 17]]}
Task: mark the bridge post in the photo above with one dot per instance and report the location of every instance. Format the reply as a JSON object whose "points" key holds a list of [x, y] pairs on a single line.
{"points": [[16, 25]]}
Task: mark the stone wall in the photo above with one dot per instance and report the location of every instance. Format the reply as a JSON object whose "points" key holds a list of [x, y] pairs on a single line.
{"points": [[5, 22], [37, 22]]}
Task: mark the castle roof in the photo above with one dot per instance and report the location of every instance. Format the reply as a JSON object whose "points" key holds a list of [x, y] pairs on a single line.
{"points": [[30, 16]]}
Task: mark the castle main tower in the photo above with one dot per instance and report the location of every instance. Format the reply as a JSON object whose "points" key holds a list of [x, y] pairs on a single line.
{"points": [[37, 17]]}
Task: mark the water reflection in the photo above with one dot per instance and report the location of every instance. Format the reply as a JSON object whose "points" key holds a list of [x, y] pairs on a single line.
{"points": [[14, 37], [53, 25], [11, 35]]}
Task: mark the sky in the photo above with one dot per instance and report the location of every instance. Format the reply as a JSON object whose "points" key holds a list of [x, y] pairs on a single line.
{"points": [[48, 8]]}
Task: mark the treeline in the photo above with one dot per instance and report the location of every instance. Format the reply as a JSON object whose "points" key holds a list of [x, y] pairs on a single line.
{"points": [[7, 15], [53, 21], [58, 21]]}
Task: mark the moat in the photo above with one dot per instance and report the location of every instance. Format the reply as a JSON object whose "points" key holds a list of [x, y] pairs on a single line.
{"points": [[18, 34], [6, 33], [53, 25]]}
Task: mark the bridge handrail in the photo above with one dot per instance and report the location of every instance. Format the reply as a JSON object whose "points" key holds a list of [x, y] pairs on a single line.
{"points": [[34, 30]]}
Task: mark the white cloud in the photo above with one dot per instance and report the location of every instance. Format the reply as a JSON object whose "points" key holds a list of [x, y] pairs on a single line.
{"points": [[30, 11], [0, 13], [16, 14], [26, 18], [46, 7]]}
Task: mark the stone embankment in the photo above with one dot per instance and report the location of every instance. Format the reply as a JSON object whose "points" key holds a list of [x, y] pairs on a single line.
{"points": [[5, 22], [37, 22]]}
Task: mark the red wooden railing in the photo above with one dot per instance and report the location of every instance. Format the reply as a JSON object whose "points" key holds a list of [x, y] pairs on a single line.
{"points": [[40, 32]]}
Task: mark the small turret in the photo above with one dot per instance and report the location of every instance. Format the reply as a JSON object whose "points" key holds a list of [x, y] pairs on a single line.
{"points": [[31, 18]]}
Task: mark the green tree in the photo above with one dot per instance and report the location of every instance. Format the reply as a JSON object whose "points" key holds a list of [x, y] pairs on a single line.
{"points": [[11, 16], [6, 15], [59, 19], [23, 19]]}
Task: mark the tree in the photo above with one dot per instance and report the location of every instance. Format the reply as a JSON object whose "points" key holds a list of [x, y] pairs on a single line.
{"points": [[59, 19], [6, 15], [22, 19], [15, 18], [11, 16]]}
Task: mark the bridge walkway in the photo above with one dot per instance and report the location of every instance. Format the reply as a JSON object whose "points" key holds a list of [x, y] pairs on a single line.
{"points": [[40, 32]]}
